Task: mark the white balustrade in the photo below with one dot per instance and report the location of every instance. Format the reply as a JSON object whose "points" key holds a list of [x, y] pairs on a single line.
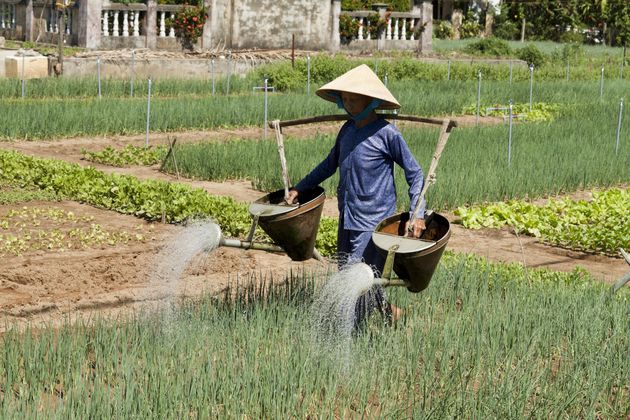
{"points": [[399, 27], [69, 23], [403, 33], [105, 23], [162, 24], [125, 31], [7, 16], [125, 26], [115, 31], [136, 23], [360, 29], [171, 33]]}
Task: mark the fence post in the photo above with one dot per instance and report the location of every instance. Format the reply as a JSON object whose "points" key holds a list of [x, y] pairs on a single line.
{"points": [[619, 126], [623, 61], [148, 111], [531, 85], [448, 71], [229, 72], [510, 134], [568, 71], [601, 84], [478, 96], [23, 81], [133, 70], [212, 71], [98, 75], [266, 105], [308, 76]]}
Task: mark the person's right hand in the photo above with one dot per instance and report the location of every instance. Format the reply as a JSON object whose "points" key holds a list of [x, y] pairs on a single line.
{"points": [[292, 197]]}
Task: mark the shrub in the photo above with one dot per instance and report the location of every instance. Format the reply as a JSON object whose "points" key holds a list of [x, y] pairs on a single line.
{"points": [[392, 5], [506, 30], [532, 55], [443, 30], [469, 29], [572, 37], [282, 77], [188, 24], [489, 46], [348, 28], [571, 52], [376, 25]]}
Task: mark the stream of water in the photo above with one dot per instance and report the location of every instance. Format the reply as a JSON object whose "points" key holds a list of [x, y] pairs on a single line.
{"points": [[170, 263], [333, 310]]}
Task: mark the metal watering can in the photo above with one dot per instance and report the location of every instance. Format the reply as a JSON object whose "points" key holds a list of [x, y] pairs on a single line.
{"points": [[293, 228], [414, 260]]}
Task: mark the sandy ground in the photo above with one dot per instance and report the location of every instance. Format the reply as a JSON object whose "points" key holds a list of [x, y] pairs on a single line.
{"points": [[48, 286]]}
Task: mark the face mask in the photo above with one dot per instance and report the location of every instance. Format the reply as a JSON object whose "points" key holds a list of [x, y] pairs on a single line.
{"points": [[363, 114]]}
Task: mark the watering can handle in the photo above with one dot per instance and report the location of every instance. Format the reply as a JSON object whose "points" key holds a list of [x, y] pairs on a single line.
{"points": [[445, 132], [283, 160]]}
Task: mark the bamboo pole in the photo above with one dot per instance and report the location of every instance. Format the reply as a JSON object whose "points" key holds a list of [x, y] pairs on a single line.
{"points": [[430, 179], [283, 160], [344, 117]]}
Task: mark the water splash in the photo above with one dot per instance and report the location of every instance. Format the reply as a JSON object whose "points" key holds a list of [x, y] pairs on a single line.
{"points": [[173, 259], [333, 310]]}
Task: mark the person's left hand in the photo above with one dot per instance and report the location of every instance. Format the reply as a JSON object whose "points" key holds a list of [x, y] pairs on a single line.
{"points": [[416, 230]]}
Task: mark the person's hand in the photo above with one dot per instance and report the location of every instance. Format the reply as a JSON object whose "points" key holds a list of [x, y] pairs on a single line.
{"points": [[416, 230], [292, 197]]}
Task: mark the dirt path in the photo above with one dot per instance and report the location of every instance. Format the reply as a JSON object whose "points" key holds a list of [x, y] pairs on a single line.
{"points": [[47, 286]]}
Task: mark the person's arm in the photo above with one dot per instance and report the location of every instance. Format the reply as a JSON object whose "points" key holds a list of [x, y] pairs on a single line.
{"points": [[415, 179], [323, 171]]}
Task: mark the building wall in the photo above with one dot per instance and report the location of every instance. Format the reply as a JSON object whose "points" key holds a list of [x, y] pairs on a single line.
{"points": [[271, 23]]}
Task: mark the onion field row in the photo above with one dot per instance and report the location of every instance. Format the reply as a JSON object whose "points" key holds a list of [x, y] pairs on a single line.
{"points": [[52, 118], [575, 151], [484, 341]]}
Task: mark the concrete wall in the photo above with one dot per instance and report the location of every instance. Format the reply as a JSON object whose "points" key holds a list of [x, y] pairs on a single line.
{"points": [[232, 24], [271, 23], [157, 69]]}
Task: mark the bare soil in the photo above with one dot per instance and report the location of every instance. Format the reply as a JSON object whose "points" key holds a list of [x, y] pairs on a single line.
{"points": [[48, 286]]}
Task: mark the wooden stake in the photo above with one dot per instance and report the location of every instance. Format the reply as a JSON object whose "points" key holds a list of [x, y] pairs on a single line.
{"points": [[283, 160], [430, 179]]}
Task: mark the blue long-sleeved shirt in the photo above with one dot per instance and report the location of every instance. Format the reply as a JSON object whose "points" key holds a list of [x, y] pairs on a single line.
{"points": [[365, 157]]}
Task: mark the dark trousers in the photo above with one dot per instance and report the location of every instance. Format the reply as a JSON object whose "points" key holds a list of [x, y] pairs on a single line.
{"points": [[355, 246]]}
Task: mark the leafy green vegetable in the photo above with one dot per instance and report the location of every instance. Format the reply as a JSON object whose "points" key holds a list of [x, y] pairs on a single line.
{"points": [[152, 200], [601, 226], [129, 155]]}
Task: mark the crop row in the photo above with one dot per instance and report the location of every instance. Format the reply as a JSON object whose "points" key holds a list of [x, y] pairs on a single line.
{"points": [[601, 225], [49, 118], [151, 200], [31, 229], [570, 153], [283, 76], [482, 341]]}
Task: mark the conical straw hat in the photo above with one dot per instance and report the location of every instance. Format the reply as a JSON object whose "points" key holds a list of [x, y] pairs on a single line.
{"points": [[363, 81]]}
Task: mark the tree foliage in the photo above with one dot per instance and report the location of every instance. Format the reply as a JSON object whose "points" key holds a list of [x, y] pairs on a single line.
{"points": [[392, 5], [550, 19]]}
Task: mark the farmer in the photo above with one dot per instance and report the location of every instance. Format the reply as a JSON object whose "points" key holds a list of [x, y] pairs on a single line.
{"points": [[365, 151]]}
